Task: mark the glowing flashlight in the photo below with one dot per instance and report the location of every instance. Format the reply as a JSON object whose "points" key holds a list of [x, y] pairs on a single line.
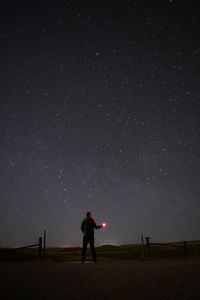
{"points": [[104, 225]]}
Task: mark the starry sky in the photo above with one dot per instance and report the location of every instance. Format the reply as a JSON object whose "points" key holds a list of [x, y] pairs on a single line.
{"points": [[99, 111]]}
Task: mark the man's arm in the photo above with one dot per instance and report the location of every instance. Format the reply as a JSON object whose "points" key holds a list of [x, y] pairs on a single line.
{"points": [[97, 226]]}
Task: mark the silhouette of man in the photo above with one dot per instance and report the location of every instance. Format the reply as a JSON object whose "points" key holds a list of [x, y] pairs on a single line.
{"points": [[87, 227]]}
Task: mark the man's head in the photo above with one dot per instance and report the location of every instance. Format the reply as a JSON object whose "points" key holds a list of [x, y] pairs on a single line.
{"points": [[89, 214]]}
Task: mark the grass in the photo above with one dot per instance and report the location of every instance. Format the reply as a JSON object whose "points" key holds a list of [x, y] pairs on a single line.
{"points": [[104, 253]]}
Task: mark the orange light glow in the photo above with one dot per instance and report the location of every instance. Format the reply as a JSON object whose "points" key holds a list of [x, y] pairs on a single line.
{"points": [[104, 224]]}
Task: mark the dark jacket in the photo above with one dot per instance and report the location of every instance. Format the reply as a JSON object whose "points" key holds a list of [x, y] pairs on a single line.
{"points": [[88, 225]]}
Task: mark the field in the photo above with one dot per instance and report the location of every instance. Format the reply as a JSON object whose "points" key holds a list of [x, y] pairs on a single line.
{"points": [[122, 272], [106, 253]]}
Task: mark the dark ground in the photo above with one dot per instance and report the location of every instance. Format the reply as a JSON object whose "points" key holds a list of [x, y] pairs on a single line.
{"points": [[116, 280]]}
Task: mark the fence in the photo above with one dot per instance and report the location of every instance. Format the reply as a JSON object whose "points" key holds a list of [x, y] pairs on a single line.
{"points": [[183, 246], [39, 245]]}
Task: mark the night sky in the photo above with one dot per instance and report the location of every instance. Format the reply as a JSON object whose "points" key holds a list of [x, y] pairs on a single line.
{"points": [[99, 111]]}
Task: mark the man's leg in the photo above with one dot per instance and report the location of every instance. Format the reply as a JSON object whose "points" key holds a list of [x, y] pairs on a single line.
{"points": [[91, 242], [85, 242]]}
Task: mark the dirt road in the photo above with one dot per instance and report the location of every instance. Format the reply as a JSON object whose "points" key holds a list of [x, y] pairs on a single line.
{"points": [[120, 280]]}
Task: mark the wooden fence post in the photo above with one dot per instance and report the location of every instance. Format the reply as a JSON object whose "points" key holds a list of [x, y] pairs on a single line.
{"points": [[40, 247], [143, 252], [148, 247]]}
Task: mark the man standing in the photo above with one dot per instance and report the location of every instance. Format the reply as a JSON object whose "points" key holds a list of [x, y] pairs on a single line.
{"points": [[87, 227]]}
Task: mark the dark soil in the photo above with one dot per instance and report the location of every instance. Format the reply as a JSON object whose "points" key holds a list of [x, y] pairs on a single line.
{"points": [[119, 280]]}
